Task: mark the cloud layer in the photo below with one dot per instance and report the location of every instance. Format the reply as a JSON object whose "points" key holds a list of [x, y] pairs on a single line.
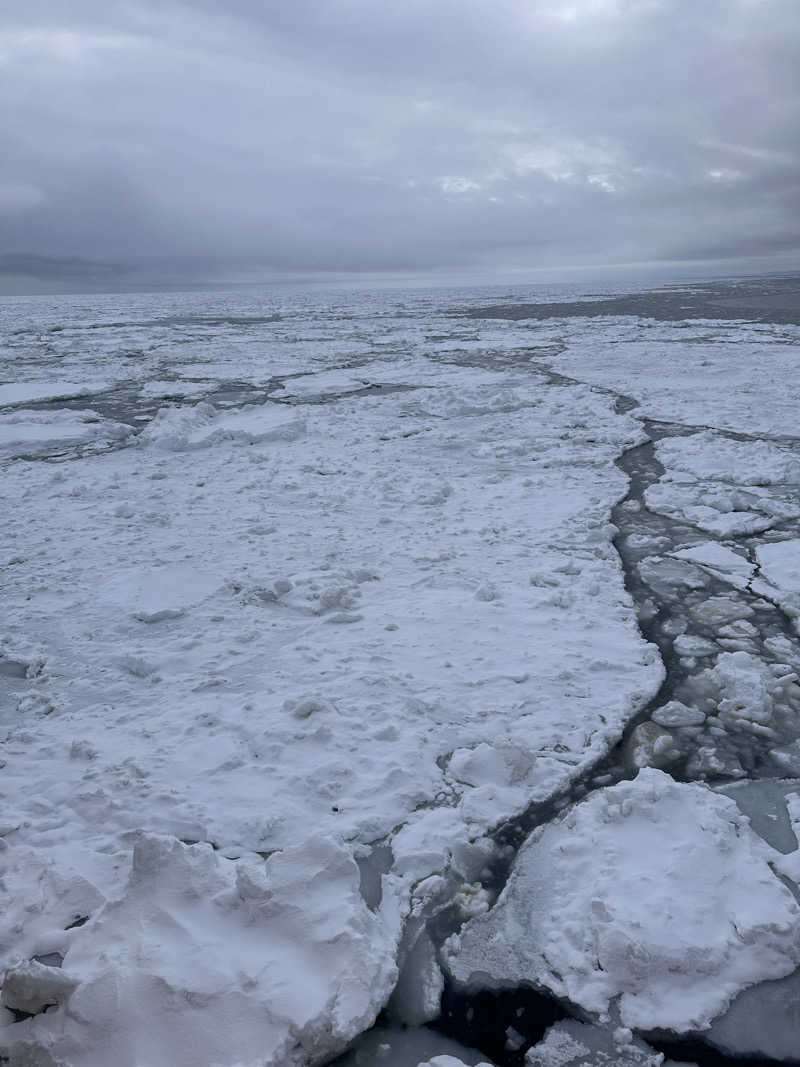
{"points": [[351, 135]]}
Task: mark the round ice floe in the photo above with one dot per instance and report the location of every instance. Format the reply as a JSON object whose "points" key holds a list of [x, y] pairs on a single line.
{"points": [[652, 891], [780, 564]]}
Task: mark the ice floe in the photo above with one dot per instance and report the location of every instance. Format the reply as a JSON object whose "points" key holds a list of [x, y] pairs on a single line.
{"points": [[651, 896], [28, 433], [26, 392]]}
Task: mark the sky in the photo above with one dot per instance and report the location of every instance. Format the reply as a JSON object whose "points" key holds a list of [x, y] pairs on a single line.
{"points": [[228, 139]]}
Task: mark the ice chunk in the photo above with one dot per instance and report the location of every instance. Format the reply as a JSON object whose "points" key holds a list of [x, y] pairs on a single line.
{"points": [[691, 645], [651, 746], [676, 714], [744, 683], [204, 961], [32, 986], [718, 610], [652, 891], [665, 575]]}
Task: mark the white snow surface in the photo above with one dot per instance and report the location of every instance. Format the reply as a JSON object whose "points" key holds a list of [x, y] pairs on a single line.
{"points": [[652, 894]]}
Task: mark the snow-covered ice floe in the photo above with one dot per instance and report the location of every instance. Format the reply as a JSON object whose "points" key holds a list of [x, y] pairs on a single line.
{"points": [[651, 899], [203, 959], [13, 393], [28, 433]]}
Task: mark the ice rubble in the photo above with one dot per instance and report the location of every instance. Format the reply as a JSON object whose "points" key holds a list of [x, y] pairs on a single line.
{"points": [[651, 898], [574, 1044], [725, 487]]}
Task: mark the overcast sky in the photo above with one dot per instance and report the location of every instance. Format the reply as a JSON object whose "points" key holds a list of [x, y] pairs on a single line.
{"points": [[400, 134]]}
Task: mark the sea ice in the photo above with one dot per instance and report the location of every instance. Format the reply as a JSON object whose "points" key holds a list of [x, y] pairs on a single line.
{"points": [[26, 433], [709, 455], [316, 661], [653, 892], [780, 565], [25, 392], [721, 561]]}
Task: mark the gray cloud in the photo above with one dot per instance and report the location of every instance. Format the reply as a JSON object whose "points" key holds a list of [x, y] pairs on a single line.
{"points": [[349, 135]]}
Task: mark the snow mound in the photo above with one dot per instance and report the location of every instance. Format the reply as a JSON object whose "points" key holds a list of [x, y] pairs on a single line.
{"points": [[175, 429], [204, 961], [652, 891]]}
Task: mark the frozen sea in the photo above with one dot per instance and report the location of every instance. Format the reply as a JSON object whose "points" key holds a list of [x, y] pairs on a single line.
{"points": [[401, 676]]}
